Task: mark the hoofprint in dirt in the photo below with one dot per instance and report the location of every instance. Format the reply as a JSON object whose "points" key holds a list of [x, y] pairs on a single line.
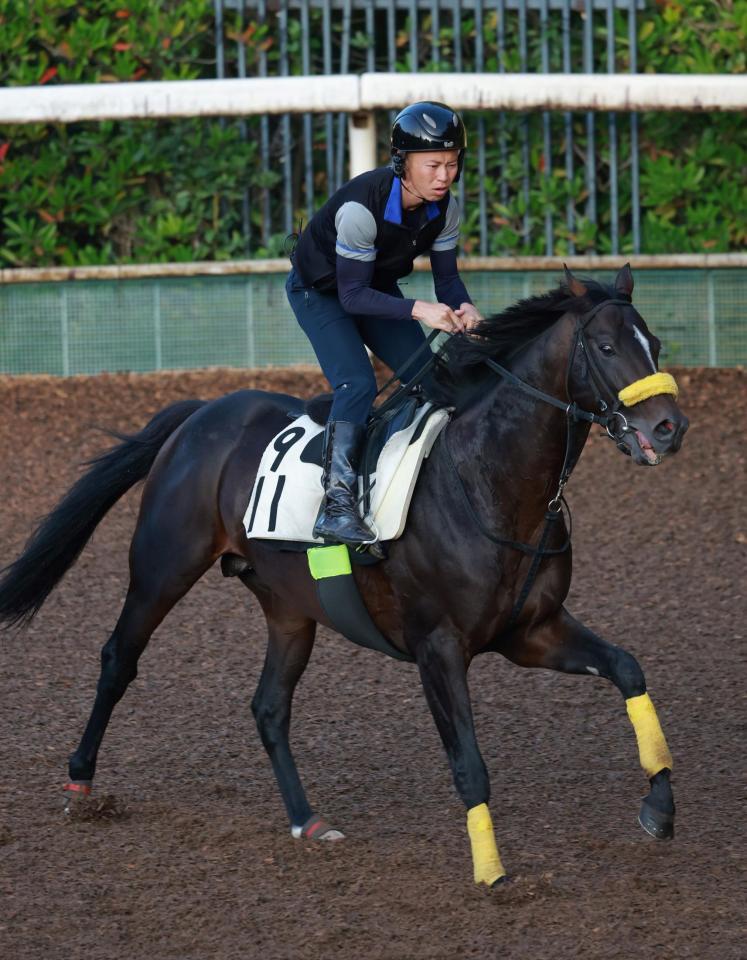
{"points": [[190, 856]]}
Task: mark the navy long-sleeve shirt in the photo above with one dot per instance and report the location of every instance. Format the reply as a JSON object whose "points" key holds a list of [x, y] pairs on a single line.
{"points": [[359, 297]]}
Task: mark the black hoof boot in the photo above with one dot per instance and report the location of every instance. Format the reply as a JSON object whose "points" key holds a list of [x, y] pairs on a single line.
{"points": [[657, 809], [656, 822], [503, 881]]}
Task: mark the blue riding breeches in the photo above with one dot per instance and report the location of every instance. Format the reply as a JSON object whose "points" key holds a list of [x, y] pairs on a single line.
{"points": [[340, 339]]}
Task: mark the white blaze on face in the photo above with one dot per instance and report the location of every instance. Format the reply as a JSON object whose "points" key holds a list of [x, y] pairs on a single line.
{"points": [[643, 340]]}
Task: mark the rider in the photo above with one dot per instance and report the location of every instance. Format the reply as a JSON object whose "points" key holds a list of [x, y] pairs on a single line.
{"points": [[343, 288]]}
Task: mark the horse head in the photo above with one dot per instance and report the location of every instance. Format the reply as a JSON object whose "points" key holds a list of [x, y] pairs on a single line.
{"points": [[614, 369]]}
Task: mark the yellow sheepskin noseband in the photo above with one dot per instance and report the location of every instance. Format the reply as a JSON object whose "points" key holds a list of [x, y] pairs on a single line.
{"points": [[648, 387]]}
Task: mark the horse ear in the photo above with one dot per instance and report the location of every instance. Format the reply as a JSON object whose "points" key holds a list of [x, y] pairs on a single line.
{"points": [[577, 288], [624, 280]]}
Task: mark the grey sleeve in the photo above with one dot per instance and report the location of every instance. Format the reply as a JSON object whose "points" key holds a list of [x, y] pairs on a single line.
{"points": [[356, 232], [447, 239]]}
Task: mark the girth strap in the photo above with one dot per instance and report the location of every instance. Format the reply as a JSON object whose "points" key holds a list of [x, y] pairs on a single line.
{"points": [[342, 602]]}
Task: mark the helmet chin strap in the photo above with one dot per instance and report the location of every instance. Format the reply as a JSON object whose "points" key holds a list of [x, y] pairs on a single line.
{"points": [[402, 180]]}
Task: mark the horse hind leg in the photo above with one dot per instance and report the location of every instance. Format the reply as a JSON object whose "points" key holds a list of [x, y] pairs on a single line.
{"points": [[562, 643], [161, 573], [290, 642]]}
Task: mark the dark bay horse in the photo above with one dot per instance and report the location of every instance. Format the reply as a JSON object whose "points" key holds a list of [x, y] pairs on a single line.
{"points": [[482, 565]]}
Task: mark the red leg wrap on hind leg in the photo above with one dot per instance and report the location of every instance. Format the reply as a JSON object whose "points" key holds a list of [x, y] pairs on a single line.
{"points": [[82, 789]]}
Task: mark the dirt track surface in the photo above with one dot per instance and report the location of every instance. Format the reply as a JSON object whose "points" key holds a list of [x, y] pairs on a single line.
{"points": [[191, 857]]}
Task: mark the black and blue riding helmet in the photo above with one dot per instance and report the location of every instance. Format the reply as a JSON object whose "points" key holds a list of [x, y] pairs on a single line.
{"points": [[427, 126]]}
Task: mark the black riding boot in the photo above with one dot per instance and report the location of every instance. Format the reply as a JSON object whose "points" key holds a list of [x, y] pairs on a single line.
{"points": [[339, 519]]}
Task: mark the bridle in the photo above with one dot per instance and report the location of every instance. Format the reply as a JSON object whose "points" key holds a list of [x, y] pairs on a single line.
{"points": [[599, 382], [610, 412]]}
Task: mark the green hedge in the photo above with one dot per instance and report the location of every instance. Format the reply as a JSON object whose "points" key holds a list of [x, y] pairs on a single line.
{"points": [[147, 191]]}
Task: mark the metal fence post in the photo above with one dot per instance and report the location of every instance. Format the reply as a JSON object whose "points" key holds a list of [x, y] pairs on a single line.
{"points": [[591, 175], [65, 332], [157, 335], [570, 209], [251, 352], [711, 320], [612, 121], [635, 193]]}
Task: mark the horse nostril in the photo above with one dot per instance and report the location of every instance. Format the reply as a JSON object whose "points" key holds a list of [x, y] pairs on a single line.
{"points": [[663, 429]]}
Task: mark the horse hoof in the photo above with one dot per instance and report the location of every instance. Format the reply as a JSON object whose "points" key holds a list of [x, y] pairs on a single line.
{"points": [[655, 822], [332, 834], [501, 881], [76, 791], [316, 829]]}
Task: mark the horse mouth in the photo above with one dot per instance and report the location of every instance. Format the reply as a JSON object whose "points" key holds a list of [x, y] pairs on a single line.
{"points": [[641, 449]]}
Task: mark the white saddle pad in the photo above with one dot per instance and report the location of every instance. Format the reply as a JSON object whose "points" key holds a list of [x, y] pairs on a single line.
{"points": [[287, 491]]}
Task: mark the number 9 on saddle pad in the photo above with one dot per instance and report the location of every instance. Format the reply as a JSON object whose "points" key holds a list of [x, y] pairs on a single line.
{"points": [[287, 490]]}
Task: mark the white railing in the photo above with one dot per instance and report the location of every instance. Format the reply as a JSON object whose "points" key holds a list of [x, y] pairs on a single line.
{"points": [[349, 93], [360, 95]]}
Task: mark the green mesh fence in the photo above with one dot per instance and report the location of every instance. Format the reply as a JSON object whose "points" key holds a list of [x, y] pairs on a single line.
{"points": [[164, 324]]}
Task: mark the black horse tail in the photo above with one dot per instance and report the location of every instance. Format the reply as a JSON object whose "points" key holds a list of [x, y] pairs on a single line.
{"points": [[60, 537]]}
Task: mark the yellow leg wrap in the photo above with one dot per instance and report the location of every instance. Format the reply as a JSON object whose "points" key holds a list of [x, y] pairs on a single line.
{"points": [[485, 857], [652, 747]]}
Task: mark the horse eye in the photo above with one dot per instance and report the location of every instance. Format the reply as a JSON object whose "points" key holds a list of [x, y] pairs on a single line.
{"points": [[607, 350]]}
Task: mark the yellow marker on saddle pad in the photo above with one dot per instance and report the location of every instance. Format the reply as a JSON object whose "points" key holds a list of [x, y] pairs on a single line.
{"points": [[485, 856], [648, 387], [652, 746]]}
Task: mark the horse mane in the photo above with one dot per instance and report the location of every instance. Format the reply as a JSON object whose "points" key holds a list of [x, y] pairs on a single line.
{"points": [[500, 335]]}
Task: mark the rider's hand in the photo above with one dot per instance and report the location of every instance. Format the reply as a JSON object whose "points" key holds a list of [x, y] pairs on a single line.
{"points": [[470, 314], [439, 316]]}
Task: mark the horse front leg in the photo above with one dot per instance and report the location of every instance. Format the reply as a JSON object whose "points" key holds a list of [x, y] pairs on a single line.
{"points": [[562, 643], [443, 672]]}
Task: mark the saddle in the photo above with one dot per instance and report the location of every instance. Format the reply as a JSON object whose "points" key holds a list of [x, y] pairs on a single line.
{"points": [[287, 491]]}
